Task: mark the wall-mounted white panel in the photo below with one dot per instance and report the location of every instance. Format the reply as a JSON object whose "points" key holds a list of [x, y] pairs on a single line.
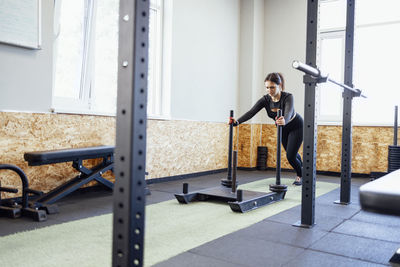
{"points": [[20, 23]]}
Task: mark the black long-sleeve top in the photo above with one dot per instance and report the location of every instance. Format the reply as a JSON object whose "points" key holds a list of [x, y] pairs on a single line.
{"points": [[285, 104]]}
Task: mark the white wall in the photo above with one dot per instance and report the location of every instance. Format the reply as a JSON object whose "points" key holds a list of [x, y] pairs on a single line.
{"points": [[251, 57], [26, 75], [211, 40], [205, 60], [285, 41], [273, 34]]}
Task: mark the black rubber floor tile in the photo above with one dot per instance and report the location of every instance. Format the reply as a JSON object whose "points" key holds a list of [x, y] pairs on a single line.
{"points": [[99, 202], [334, 195], [340, 211], [248, 251], [78, 197], [251, 176], [365, 249], [73, 212], [282, 233], [189, 259], [369, 217], [317, 259], [157, 197], [322, 222], [10, 226], [369, 230], [359, 181]]}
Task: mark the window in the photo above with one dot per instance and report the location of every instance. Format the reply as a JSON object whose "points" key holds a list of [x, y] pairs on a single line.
{"points": [[159, 74], [86, 57], [331, 61], [155, 52], [105, 67], [71, 50], [375, 59]]}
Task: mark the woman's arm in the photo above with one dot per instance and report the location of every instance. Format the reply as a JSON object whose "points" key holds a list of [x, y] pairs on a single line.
{"points": [[288, 111], [253, 111]]}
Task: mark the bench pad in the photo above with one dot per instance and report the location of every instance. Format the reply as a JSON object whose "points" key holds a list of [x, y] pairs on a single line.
{"points": [[382, 195], [64, 155]]}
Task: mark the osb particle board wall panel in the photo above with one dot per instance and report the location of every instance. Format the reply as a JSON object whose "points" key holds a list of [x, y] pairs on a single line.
{"points": [[255, 142], [329, 148], [173, 147], [182, 147], [269, 139], [244, 151], [24, 132], [370, 148]]}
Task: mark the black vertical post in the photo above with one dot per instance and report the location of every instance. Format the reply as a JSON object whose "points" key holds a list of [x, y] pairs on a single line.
{"points": [[228, 181], [345, 181], [234, 171], [278, 150], [310, 122], [230, 148], [395, 125], [129, 189]]}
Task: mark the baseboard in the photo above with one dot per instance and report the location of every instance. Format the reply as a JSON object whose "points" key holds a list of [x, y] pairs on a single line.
{"points": [[329, 173], [376, 175], [247, 168], [183, 176]]}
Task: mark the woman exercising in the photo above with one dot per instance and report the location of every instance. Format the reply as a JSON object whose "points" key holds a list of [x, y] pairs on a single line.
{"points": [[292, 122]]}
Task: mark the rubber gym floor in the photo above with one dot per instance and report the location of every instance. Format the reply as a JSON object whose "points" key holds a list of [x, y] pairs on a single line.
{"points": [[342, 236]]}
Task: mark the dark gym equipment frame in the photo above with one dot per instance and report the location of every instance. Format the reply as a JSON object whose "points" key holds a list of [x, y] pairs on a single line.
{"points": [[312, 77], [228, 181], [395, 126], [86, 175], [345, 173], [15, 209], [239, 200], [129, 190]]}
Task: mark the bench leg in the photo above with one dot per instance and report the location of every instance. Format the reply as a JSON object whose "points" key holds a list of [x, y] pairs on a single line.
{"points": [[72, 185], [105, 182], [11, 212], [36, 214]]}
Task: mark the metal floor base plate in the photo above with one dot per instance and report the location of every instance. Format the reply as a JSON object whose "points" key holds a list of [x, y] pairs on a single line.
{"points": [[251, 199]]}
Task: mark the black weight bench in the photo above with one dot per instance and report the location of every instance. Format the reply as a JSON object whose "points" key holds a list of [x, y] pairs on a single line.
{"points": [[383, 196], [76, 155]]}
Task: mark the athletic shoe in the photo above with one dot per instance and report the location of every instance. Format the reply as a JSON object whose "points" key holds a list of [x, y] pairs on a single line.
{"points": [[297, 182]]}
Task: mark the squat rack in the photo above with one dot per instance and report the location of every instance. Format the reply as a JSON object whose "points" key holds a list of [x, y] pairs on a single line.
{"points": [[311, 79]]}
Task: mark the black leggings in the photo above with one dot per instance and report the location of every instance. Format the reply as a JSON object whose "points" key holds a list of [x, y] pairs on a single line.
{"points": [[292, 137]]}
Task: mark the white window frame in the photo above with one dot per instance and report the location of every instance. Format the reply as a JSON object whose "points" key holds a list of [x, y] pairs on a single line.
{"points": [[159, 104], [82, 104], [327, 33], [159, 99], [331, 34]]}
